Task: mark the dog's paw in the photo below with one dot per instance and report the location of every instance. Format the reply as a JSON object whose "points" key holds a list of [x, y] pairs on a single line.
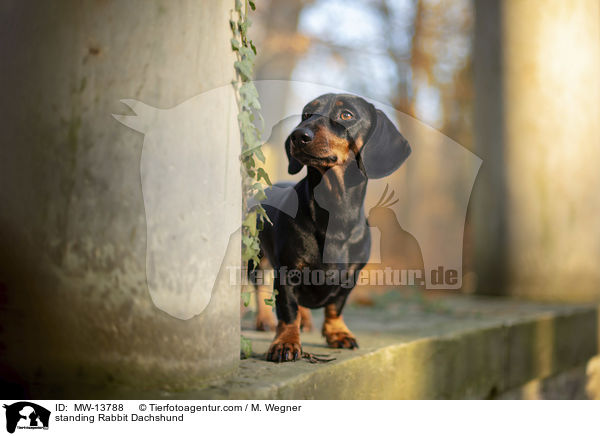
{"points": [[337, 334], [286, 345], [282, 350], [341, 339]]}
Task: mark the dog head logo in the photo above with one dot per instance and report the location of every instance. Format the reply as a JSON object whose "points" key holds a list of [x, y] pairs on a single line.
{"points": [[26, 415], [188, 166], [433, 187], [189, 163]]}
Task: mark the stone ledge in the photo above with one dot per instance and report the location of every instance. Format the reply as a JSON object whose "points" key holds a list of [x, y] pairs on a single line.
{"points": [[448, 347]]}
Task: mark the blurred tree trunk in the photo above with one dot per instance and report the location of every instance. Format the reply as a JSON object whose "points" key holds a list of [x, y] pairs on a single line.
{"points": [[279, 47], [279, 44], [536, 206]]}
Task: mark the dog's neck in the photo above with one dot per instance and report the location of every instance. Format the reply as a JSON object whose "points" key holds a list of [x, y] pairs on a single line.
{"points": [[343, 201]]}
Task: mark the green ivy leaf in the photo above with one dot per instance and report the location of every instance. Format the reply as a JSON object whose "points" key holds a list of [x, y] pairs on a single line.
{"points": [[247, 240], [244, 118], [247, 54], [259, 155], [262, 213], [252, 103], [244, 68], [245, 347], [262, 174], [246, 295], [250, 222], [271, 301], [248, 90], [260, 196], [245, 26], [249, 151], [252, 5], [247, 254], [249, 96]]}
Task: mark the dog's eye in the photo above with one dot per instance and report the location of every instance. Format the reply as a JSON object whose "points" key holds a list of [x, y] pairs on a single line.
{"points": [[305, 116], [346, 115]]}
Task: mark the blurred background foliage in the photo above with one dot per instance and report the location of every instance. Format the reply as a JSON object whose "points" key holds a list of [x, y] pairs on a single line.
{"points": [[412, 54]]}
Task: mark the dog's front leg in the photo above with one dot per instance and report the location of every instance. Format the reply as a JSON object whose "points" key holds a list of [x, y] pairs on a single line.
{"points": [[265, 318], [337, 334], [306, 324], [286, 345]]}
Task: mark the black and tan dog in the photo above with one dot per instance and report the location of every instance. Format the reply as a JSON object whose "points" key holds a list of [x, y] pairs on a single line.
{"points": [[343, 141]]}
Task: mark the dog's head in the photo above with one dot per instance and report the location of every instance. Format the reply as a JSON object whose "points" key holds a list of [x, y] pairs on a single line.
{"points": [[346, 131]]}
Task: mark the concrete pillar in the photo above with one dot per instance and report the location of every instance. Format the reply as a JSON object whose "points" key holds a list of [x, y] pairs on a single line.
{"points": [[536, 203], [76, 313]]}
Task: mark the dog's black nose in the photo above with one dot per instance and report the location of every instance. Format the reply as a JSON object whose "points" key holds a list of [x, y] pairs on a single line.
{"points": [[302, 136]]}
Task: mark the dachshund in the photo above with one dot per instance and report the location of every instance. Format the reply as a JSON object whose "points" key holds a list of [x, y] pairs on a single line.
{"points": [[343, 141]]}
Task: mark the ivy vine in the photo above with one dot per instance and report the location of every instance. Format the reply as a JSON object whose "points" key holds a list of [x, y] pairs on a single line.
{"points": [[253, 175]]}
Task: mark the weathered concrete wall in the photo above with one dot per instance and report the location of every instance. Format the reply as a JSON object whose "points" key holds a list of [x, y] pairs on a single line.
{"points": [[579, 383], [444, 347], [536, 205], [75, 304]]}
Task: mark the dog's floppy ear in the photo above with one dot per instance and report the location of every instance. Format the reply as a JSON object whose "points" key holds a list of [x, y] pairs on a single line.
{"points": [[385, 150], [293, 166]]}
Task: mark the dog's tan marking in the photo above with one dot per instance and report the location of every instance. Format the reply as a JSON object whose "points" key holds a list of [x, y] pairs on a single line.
{"points": [[265, 318], [339, 146], [358, 143], [337, 334], [306, 324], [333, 179]]}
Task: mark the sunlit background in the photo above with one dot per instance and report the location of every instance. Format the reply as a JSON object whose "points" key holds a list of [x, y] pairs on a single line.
{"points": [[414, 55]]}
